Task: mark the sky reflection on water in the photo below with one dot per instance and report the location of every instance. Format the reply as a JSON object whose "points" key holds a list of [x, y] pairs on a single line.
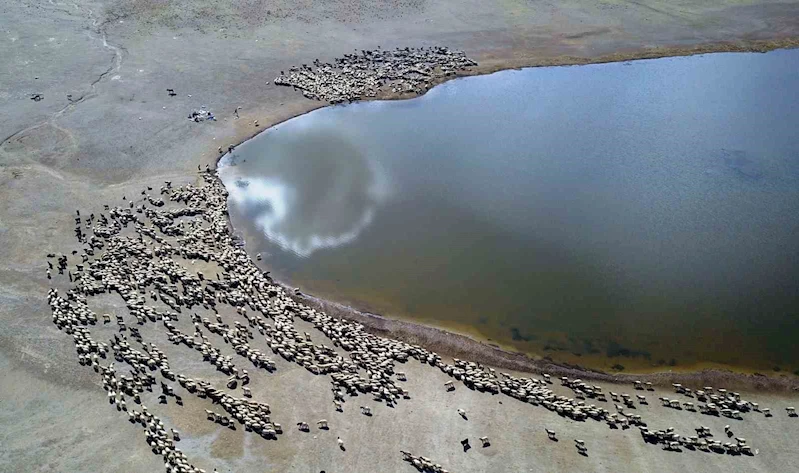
{"points": [[637, 212]]}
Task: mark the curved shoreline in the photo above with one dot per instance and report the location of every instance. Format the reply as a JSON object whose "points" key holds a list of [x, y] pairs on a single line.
{"points": [[462, 346], [489, 64]]}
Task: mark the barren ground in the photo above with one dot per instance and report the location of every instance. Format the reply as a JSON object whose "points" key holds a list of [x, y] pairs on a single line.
{"points": [[120, 132]]}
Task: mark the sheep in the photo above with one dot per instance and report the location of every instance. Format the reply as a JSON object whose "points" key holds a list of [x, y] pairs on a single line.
{"points": [[672, 446], [340, 443], [465, 444], [551, 434], [303, 426], [485, 441], [703, 431], [175, 435], [365, 410], [401, 376], [449, 385], [322, 423], [791, 411], [462, 413]]}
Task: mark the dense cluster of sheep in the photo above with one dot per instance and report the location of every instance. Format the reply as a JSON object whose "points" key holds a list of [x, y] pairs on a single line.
{"points": [[358, 76], [137, 251]]}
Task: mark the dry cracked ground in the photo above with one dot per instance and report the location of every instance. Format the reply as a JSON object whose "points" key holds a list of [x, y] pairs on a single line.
{"points": [[106, 128]]}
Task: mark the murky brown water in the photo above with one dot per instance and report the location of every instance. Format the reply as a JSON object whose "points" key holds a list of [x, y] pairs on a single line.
{"points": [[641, 215]]}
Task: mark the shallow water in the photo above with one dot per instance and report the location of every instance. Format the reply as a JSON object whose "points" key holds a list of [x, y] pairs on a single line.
{"points": [[630, 214]]}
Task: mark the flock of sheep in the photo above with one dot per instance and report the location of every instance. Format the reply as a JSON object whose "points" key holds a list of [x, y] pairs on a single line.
{"points": [[141, 251], [358, 76]]}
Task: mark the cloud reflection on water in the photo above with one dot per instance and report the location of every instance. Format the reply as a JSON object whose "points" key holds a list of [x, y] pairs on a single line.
{"points": [[312, 191]]}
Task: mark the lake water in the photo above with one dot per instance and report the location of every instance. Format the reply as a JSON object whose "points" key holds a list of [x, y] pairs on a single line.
{"points": [[637, 215]]}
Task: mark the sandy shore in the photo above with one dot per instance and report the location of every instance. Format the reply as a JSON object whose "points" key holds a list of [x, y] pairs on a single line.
{"points": [[106, 128]]}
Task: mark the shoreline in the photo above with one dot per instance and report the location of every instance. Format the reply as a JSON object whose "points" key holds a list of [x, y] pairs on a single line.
{"points": [[459, 345], [490, 63]]}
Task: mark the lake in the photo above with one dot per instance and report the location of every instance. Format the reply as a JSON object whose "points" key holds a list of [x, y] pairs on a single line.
{"points": [[623, 216]]}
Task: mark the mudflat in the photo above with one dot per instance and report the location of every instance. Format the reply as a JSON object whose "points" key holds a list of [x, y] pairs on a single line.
{"points": [[103, 126]]}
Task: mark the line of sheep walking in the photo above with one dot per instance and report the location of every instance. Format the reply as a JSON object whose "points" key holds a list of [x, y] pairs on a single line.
{"points": [[423, 464]]}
